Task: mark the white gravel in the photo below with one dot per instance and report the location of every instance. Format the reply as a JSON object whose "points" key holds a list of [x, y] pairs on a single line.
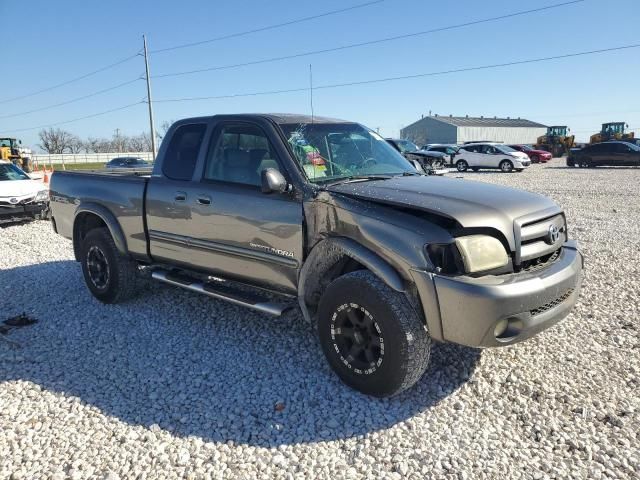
{"points": [[176, 385]]}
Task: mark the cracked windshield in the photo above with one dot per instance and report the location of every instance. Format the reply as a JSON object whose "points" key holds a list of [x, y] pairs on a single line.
{"points": [[335, 151]]}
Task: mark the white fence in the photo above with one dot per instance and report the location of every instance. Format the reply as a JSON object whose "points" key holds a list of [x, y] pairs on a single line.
{"points": [[72, 158]]}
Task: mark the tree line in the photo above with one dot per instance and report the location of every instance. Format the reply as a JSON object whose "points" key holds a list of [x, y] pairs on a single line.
{"points": [[57, 141]]}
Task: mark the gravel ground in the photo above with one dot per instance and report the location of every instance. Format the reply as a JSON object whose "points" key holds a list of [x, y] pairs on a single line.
{"points": [[177, 385]]}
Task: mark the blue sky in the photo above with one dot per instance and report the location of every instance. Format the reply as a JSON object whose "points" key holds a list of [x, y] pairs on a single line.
{"points": [[66, 39]]}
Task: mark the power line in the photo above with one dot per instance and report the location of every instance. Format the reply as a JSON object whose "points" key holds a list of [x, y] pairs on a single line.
{"points": [[371, 42], [73, 100], [269, 27], [405, 77], [80, 118], [76, 79]]}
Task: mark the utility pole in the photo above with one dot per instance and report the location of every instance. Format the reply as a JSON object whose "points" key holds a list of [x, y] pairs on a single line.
{"points": [[146, 66], [117, 137]]}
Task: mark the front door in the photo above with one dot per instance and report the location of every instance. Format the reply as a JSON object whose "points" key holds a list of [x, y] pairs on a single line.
{"points": [[235, 229]]}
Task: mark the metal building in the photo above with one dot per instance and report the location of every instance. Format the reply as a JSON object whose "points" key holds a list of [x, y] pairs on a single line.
{"points": [[439, 129]]}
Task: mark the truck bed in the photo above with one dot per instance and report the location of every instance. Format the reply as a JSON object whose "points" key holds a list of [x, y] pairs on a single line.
{"points": [[117, 193]]}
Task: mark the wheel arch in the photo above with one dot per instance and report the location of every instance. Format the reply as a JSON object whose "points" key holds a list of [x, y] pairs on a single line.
{"points": [[334, 257], [90, 216]]}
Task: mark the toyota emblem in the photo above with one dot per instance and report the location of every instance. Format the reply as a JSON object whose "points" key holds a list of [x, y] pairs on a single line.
{"points": [[13, 200], [553, 235]]}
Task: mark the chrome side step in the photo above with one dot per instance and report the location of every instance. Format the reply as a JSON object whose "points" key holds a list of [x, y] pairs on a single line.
{"points": [[221, 292]]}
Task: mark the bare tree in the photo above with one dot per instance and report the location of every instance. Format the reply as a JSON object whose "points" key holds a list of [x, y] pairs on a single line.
{"points": [[164, 127], [76, 145], [139, 143], [55, 140]]}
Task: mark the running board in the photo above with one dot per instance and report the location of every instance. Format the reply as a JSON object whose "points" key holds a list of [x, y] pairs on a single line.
{"points": [[221, 292]]}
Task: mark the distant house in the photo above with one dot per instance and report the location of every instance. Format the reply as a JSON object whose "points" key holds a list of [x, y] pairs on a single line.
{"points": [[439, 129]]}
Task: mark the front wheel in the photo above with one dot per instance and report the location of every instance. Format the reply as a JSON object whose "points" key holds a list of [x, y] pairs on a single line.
{"points": [[110, 276], [462, 165], [371, 336], [506, 166]]}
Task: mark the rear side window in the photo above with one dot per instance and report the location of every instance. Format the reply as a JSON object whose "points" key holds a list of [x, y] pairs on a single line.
{"points": [[182, 153]]}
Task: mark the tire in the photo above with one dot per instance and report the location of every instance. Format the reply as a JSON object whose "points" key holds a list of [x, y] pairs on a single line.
{"points": [[535, 159], [110, 276], [586, 163], [462, 165], [506, 166], [390, 341]]}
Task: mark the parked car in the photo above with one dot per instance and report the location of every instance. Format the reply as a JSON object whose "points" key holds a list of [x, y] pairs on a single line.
{"points": [[128, 162], [490, 155], [21, 197], [613, 153], [432, 163], [449, 150], [536, 156], [381, 259]]}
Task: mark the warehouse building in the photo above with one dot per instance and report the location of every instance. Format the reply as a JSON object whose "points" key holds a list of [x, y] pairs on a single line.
{"points": [[439, 129]]}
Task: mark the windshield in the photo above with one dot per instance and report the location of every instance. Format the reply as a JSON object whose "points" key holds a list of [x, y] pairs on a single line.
{"points": [[505, 148], [407, 146], [9, 171], [332, 151], [557, 131]]}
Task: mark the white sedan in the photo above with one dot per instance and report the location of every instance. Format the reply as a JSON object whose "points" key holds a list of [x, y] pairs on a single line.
{"points": [[490, 155], [20, 196]]}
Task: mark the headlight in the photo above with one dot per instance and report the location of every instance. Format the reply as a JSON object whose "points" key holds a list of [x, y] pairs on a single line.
{"points": [[481, 252], [42, 196]]}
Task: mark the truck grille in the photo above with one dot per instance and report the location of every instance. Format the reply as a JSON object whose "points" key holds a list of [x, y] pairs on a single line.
{"points": [[553, 303], [539, 239]]}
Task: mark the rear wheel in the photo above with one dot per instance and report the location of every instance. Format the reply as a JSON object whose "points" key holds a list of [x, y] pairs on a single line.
{"points": [[535, 159], [586, 163], [462, 165], [371, 336], [506, 166], [110, 276]]}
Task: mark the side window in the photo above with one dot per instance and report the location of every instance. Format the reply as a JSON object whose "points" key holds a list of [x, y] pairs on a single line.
{"points": [[238, 154], [470, 148], [621, 148], [180, 159]]}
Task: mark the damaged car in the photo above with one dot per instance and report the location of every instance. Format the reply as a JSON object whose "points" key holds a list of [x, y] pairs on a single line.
{"points": [[21, 197], [280, 211]]}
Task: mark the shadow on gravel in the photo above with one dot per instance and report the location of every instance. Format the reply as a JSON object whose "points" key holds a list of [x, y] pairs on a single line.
{"points": [[190, 365]]}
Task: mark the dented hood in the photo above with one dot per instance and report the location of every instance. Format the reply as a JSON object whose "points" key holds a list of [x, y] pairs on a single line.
{"points": [[471, 204]]}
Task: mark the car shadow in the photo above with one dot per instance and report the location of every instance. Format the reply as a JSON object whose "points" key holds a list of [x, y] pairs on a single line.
{"points": [[193, 366]]}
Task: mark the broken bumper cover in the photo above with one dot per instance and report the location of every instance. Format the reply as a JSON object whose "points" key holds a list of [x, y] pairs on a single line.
{"points": [[13, 213], [501, 310]]}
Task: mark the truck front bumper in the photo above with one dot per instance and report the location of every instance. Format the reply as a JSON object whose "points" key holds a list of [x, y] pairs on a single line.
{"points": [[500, 310]]}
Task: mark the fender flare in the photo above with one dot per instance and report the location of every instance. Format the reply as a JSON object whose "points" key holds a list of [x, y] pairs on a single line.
{"points": [[108, 218], [327, 253]]}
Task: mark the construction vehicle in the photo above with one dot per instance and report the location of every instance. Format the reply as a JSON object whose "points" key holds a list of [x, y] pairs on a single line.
{"points": [[612, 131], [11, 150], [557, 141]]}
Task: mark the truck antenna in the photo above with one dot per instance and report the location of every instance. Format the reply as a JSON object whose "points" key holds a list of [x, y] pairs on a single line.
{"points": [[311, 90]]}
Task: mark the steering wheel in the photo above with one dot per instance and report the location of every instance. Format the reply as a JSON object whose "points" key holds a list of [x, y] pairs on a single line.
{"points": [[369, 162]]}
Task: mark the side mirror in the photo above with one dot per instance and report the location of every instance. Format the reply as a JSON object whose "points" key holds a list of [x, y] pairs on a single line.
{"points": [[273, 181]]}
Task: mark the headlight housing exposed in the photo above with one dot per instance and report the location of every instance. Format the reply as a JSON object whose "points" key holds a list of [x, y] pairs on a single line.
{"points": [[481, 252], [42, 196]]}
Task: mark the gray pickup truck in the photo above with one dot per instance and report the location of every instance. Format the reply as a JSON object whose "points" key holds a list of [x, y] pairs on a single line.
{"points": [[261, 210]]}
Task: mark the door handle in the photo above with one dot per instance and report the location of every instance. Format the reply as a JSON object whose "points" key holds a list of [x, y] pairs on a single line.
{"points": [[204, 200], [180, 196]]}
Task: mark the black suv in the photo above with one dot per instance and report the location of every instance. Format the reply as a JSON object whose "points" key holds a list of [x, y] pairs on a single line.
{"points": [[614, 153]]}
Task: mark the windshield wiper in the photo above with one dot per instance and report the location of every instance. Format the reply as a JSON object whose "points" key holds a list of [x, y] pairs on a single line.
{"points": [[359, 178]]}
